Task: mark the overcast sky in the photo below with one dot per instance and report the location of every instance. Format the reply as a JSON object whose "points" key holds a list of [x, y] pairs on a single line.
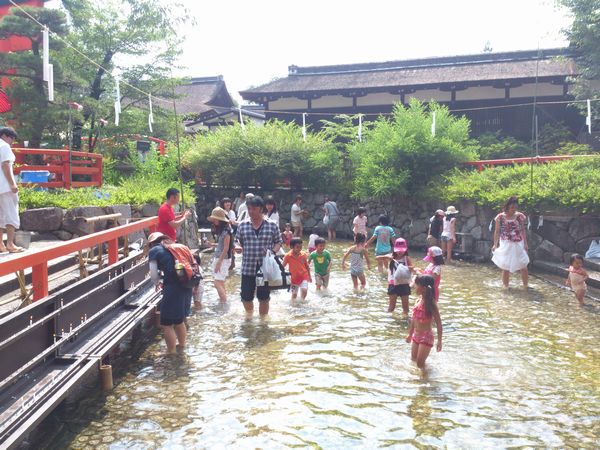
{"points": [[252, 42]]}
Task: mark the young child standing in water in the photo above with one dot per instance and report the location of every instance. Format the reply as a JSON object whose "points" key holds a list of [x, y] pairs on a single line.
{"points": [[398, 286], [311, 242], [287, 235], [385, 240], [358, 254], [322, 261], [424, 314], [297, 260], [435, 259], [359, 224], [577, 277]]}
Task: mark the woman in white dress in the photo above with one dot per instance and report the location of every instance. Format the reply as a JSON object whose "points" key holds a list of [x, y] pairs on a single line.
{"points": [[510, 242]]}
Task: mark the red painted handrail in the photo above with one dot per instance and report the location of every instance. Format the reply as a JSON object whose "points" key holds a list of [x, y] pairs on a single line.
{"points": [[480, 165], [38, 259], [59, 164]]}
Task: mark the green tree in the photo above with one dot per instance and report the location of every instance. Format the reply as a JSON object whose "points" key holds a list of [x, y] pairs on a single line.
{"points": [[399, 155], [32, 112], [137, 38], [584, 35]]}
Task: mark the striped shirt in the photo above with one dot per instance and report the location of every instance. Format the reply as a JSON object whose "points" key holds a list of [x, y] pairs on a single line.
{"points": [[256, 242]]}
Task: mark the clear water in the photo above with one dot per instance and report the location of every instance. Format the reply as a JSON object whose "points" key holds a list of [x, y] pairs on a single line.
{"points": [[516, 370]]}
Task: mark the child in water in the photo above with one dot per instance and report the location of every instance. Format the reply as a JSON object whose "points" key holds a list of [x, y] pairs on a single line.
{"points": [[322, 261], [297, 261], [425, 312], [577, 277], [357, 253], [287, 235], [435, 259], [385, 240], [398, 287], [359, 224], [311, 242]]}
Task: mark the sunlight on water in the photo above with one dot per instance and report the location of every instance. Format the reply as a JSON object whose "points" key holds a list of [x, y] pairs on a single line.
{"points": [[517, 370]]}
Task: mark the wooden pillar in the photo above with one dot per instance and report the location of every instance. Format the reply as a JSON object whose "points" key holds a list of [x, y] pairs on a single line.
{"points": [[39, 280], [113, 251]]}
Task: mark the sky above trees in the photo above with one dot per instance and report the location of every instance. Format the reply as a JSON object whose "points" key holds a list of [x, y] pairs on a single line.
{"points": [[250, 43]]}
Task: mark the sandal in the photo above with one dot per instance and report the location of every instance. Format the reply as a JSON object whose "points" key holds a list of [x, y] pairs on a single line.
{"points": [[16, 250]]}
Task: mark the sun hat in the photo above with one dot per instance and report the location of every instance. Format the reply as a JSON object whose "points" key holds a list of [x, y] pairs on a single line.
{"points": [[218, 214], [400, 245], [451, 210], [156, 237], [432, 253], [249, 195], [440, 212]]}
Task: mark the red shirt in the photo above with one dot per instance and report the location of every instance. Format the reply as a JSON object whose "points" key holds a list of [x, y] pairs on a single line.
{"points": [[298, 266], [166, 215]]}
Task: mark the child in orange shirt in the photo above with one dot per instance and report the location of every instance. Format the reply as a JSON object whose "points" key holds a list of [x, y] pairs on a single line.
{"points": [[297, 261]]}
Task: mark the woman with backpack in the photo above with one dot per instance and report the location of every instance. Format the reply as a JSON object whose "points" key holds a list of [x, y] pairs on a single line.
{"points": [[223, 250]]}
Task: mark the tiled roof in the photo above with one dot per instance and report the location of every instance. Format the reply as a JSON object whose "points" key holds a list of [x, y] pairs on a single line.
{"points": [[431, 71]]}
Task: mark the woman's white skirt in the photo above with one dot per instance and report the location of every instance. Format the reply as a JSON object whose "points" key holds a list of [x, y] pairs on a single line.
{"points": [[511, 256]]}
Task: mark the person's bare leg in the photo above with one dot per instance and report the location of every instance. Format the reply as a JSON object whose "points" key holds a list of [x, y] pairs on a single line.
{"points": [[580, 295], [505, 278], [422, 355], [220, 287], [10, 238], [392, 303], [181, 333], [170, 338], [404, 304], [354, 281], [414, 351], [450, 247], [263, 308], [248, 307], [525, 277], [304, 293], [294, 293], [3, 248], [363, 280], [381, 266]]}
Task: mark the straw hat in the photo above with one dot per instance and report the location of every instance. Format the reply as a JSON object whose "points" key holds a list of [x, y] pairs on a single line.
{"points": [[219, 214], [451, 210], [156, 237]]}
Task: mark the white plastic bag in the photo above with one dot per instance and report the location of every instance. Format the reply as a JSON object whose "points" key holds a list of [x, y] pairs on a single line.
{"points": [[326, 219], [270, 269], [594, 250], [402, 275]]}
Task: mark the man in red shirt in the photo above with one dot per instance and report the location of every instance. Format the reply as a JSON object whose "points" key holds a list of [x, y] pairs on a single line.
{"points": [[168, 222]]}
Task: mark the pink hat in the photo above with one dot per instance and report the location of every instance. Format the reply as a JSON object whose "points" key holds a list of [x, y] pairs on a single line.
{"points": [[432, 253], [400, 245]]}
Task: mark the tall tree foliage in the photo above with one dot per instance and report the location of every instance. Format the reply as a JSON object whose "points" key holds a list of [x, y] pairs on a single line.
{"points": [[137, 38], [32, 112], [584, 35]]}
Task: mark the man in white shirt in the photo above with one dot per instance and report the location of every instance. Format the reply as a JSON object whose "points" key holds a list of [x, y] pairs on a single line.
{"points": [[297, 216], [243, 209], [9, 193]]}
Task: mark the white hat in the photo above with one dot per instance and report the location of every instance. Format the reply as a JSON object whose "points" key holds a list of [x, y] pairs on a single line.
{"points": [[451, 210]]}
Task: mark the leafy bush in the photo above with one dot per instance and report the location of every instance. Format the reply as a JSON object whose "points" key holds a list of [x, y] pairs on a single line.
{"points": [[264, 155], [135, 191], [399, 156], [497, 146], [571, 183]]}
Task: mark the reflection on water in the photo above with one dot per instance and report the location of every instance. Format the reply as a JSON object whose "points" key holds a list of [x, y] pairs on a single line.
{"points": [[518, 369]]}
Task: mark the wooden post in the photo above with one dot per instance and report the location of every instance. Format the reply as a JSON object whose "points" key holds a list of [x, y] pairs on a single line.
{"points": [[39, 280], [113, 251], [106, 377], [100, 256]]}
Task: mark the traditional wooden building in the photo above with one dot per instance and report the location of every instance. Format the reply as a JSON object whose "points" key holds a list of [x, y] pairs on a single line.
{"points": [[479, 86], [206, 103]]}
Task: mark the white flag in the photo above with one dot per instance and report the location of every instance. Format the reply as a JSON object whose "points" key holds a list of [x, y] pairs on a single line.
{"points": [[117, 99], [151, 114], [46, 54], [360, 128], [241, 118], [304, 126], [50, 82], [588, 119], [433, 125]]}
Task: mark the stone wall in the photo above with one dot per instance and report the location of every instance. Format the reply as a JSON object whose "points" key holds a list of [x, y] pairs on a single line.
{"points": [[561, 234], [70, 224]]}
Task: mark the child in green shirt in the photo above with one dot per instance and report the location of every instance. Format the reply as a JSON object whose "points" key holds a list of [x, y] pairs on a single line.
{"points": [[322, 261]]}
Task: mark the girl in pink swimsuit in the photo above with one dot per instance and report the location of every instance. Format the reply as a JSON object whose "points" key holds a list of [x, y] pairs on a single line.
{"points": [[577, 277], [425, 312]]}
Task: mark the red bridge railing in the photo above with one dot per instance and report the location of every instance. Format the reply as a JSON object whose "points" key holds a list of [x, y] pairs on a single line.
{"points": [[38, 260], [61, 167], [480, 165]]}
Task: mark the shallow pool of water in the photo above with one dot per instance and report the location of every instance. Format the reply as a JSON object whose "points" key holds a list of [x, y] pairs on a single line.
{"points": [[516, 370]]}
